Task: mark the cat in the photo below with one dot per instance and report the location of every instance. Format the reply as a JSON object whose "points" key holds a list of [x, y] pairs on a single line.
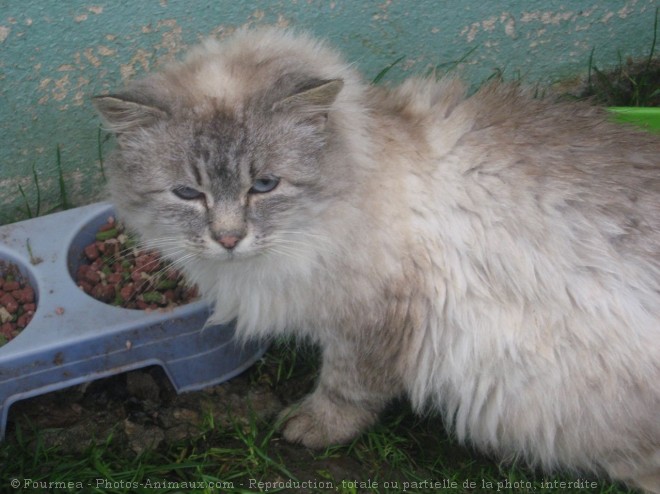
{"points": [[494, 257]]}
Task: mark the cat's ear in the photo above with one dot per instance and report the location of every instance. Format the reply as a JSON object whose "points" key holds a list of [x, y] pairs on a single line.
{"points": [[124, 112], [313, 99]]}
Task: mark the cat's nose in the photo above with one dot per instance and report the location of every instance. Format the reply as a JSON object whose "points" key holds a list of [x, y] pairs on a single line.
{"points": [[229, 240]]}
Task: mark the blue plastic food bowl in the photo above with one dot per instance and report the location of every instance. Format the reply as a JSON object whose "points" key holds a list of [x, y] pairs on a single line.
{"points": [[74, 338]]}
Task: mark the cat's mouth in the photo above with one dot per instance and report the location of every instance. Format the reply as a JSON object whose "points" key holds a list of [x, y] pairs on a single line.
{"points": [[217, 252]]}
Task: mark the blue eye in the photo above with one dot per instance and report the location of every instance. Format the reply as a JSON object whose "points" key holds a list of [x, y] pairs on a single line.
{"points": [[187, 193], [264, 184]]}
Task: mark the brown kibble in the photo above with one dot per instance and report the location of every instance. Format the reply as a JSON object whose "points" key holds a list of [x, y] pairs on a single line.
{"points": [[141, 286], [86, 286], [111, 247], [93, 276], [104, 293], [126, 292], [30, 308], [23, 320], [136, 275], [92, 252], [107, 226], [10, 286], [170, 295], [24, 296], [8, 301], [7, 329], [147, 263], [114, 278], [81, 272]]}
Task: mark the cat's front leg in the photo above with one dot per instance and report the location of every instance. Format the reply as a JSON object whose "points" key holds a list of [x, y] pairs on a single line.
{"points": [[351, 392]]}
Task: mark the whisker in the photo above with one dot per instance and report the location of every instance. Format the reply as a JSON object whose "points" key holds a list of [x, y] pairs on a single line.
{"points": [[295, 251], [305, 242]]}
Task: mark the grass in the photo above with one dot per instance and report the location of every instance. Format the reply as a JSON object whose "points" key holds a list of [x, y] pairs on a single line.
{"points": [[438, 70], [402, 452], [62, 201], [33, 198], [26, 202], [631, 83]]}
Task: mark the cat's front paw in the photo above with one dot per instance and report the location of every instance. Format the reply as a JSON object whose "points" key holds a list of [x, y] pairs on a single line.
{"points": [[317, 422]]}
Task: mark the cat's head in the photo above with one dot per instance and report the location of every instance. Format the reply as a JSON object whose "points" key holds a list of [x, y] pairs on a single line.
{"points": [[225, 155]]}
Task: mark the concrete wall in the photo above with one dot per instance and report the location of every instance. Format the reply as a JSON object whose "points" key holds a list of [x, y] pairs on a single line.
{"points": [[56, 54]]}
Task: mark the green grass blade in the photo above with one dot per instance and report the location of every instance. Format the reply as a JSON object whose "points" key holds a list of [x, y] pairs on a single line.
{"points": [[99, 145], [28, 210], [379, 77], [60, 174], [655, 38]]}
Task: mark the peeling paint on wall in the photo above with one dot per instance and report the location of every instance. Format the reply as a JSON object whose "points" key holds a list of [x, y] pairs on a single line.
{"points": [[4, 33]]}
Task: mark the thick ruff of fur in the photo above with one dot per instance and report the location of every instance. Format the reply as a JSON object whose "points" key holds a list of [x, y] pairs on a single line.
{"points": [[495, 257]]}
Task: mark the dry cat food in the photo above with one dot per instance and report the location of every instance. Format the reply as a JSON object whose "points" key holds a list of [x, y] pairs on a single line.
{"points": [[17, 302], [115, 270]]}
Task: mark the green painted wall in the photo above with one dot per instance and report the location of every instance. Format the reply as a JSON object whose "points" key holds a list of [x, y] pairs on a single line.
{"points": [[56, 54]]}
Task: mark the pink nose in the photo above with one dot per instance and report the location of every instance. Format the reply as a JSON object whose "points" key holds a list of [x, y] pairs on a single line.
{"points": [[228, 241]]}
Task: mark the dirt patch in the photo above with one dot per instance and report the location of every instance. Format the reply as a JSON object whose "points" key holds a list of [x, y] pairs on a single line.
{"points": [[142, 410], [142, 413]]}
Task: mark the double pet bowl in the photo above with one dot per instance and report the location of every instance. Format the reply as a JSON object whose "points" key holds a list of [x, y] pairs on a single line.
{"points": [[74, 338]]}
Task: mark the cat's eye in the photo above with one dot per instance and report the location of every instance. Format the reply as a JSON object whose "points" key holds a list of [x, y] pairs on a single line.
{"points": [[264, 184], [187, 193]]}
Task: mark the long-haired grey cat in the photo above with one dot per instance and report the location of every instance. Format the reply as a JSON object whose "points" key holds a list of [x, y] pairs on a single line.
{"points": [[495, 258]]}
